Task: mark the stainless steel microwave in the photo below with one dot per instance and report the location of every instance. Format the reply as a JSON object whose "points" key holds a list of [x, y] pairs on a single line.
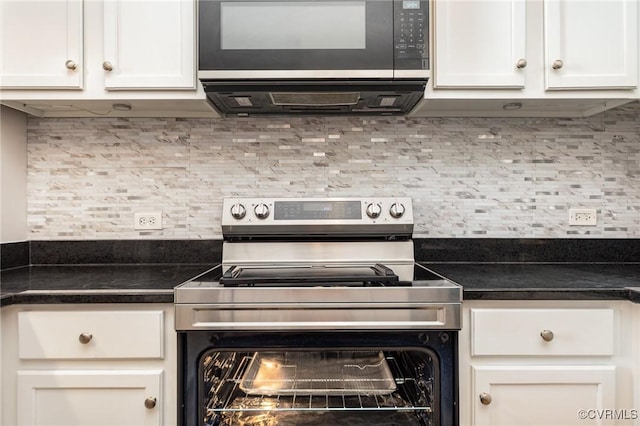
{"points": [[311, 45], [312, 39]]}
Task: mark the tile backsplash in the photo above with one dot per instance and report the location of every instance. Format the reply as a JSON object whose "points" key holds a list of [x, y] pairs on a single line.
{"points": [[468, 177]]}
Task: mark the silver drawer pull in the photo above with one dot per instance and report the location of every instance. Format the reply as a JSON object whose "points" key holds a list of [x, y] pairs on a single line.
{"points": [[85, 338], [485, 398], [150, 402], [557, 64], [547, 335]]}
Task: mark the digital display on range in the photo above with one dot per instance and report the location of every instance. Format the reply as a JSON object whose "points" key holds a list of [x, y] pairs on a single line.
{"points": [[309, 210]]}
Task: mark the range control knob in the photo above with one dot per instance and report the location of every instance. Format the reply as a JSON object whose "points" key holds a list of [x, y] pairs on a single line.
{"points": [[261, 210], [396, 210], [238, 211], [374, 210]]}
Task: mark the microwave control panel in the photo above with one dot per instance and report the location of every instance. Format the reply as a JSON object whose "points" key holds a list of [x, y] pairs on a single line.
{"points": [[411, 34]]}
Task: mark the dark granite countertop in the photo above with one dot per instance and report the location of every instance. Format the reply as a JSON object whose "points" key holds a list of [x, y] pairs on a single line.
{"points": [[154, 283], [544, 281], [101, 283]]}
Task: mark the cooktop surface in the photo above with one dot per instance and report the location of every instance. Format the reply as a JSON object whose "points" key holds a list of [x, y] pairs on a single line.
{"points": [[314, 276]]}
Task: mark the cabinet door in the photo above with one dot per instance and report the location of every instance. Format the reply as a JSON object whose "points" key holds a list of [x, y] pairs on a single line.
{"points": [[479, 43], [89, 398], [542, 396], [149, 44], [591, 44], [41, 44]]}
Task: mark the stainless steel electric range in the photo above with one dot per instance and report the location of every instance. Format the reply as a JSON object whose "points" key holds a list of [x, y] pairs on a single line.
{"points": [[318, 315]]}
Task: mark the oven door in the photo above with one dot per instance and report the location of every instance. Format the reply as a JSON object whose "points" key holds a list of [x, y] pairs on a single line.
{"points": [[320, 378], [296, 39]]}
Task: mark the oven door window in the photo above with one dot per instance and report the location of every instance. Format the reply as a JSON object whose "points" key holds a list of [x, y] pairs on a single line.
{"points": [[296, 35], [331, 387]]}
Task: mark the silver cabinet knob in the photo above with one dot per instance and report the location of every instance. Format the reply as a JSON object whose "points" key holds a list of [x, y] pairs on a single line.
{"points": [[522, 63], [557, 64], [485, 398], [547, 335], [374, 210], [238, 211], [261, 211], [150, 402], [107, 66], [396, 210], [85, 338], [70, 65]]}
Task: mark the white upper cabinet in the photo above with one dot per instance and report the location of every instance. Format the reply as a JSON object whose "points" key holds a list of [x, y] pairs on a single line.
{"points": [[41, 44], [149, 44], [591, 44], [580, 44], [532, 58], [140, 54], [480, 43]]}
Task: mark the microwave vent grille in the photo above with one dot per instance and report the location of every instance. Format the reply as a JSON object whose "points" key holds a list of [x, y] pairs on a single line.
{"points": [[320, 99]]}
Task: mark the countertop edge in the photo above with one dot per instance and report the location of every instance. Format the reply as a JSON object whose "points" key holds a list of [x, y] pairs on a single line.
{"points": [[166, 296], [86, 296], [551, 294]]}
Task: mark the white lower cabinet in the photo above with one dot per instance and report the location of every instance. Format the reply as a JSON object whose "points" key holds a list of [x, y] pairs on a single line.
{"points": [[88, 365], [89, 398], [542, 395], [548, 363]]}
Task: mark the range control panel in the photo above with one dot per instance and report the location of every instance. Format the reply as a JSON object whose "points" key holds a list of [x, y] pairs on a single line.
{"points": [[318, 215]]}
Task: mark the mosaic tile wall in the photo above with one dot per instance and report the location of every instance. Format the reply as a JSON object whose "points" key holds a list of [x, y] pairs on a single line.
{"points": [[468, 177]]}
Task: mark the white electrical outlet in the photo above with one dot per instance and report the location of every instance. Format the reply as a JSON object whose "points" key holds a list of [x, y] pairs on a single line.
{"points": [[143, 221], [583, 217]]}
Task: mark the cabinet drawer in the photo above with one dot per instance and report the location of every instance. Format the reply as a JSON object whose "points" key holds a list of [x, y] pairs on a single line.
{"points": [[90, 334], [555, 332]]}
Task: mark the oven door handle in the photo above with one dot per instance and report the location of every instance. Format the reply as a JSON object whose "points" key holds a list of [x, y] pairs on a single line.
{"points": [[364, 316]]}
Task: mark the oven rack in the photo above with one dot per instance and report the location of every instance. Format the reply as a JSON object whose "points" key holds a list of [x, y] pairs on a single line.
{"points": [[318, 403], [237, 400]]}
